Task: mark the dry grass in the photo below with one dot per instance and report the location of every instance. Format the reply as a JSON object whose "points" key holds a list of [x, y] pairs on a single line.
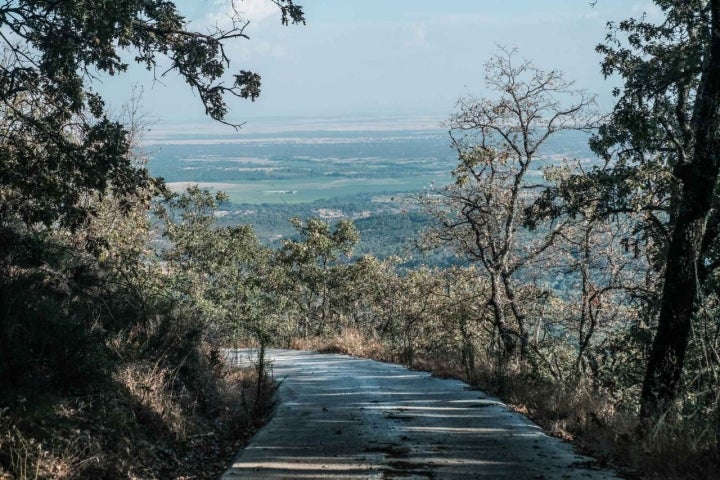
{"points": [[678, 449], [348, 342], [144, 424], [20, 451], [154, 398], [25, 457]]}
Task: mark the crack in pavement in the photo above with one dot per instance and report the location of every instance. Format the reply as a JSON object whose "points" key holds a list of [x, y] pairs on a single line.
{"points": [[339, 417]]}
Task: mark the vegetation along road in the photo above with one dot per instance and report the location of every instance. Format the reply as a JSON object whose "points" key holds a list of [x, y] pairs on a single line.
{"points": [[342, 417]]}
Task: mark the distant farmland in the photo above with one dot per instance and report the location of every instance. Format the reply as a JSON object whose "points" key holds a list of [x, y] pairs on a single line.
{"points": [[310, 166]]}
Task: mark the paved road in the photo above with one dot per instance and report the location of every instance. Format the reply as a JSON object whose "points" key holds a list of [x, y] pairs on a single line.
{"points": [[340, 417]]}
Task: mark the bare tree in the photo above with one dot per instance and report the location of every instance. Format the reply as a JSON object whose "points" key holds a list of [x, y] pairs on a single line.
{"points": [[498, 139]]}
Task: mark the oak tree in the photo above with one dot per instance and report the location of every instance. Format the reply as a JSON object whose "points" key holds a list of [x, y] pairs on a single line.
{"points": [[56, 139], [313, 267], [662, 157], [498, 140]]}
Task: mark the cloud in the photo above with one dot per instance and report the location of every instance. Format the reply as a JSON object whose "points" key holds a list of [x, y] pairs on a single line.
{"points": [[256, 10], [223, 12]]}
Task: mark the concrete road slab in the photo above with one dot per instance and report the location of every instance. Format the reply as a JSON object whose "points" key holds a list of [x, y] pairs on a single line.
{"points": [[340, 417]]}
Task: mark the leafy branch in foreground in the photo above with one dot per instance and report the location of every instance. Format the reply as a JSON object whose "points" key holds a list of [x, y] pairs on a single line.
{"points": [[56, 140]]}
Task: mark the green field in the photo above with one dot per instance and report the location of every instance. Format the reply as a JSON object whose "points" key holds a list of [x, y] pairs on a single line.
{"points": [[305, 190]]}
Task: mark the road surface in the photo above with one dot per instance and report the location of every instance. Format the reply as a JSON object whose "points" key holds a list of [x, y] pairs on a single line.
{"points": [[340, 417]]}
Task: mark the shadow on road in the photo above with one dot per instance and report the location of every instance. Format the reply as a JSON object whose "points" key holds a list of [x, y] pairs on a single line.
{"points": [[344, 418]]}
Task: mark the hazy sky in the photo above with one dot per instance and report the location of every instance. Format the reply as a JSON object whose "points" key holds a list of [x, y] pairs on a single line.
{"points": [[386, 57]]}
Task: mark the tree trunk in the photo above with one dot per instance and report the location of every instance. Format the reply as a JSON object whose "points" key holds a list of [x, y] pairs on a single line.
{"points": [[524, 337], [681, 287], [506, 338], [666, 360]]}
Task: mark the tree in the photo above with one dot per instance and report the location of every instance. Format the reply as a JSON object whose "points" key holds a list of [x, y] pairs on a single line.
{"points": [[662, 158], [223, 274], [696, 168], [56, 140], [70, 182], [311, 262], [498, 140]]}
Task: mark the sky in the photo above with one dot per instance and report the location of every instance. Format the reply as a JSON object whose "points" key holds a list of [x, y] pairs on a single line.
{"points": [[384, 58]]}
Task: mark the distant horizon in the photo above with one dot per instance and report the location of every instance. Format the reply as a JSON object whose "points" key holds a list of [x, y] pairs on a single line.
{"points": [[359, 58], [163, 132]]}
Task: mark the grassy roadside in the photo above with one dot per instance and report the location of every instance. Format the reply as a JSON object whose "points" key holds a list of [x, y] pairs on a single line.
{"points": [[147, 421]]}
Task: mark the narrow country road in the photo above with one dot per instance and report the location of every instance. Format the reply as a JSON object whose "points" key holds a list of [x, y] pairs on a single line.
{"points": [[340, 417]]}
